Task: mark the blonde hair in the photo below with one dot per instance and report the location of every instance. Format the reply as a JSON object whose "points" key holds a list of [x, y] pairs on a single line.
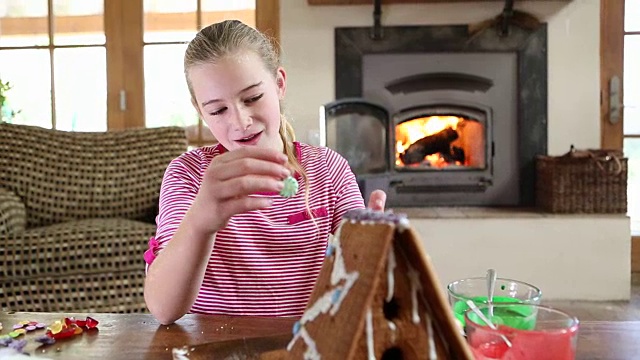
{"points": [[227, 38]]}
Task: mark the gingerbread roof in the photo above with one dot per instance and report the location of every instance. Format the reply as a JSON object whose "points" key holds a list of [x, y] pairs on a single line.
{"points": [[377, 296]]}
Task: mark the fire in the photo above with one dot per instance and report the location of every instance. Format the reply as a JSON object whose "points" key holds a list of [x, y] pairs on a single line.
{"points": [[411, 131]]}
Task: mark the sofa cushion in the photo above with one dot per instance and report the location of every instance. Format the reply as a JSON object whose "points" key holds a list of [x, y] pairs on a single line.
{"points": [[75, 248], [87, 265], [62, 176]]}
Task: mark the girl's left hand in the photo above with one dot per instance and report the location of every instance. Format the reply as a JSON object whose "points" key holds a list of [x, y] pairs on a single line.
{"points": [[377, 200]]}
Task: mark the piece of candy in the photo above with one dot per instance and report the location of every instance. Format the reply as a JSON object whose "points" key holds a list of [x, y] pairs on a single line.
{"points": [[30, 327], [91, 323], [17, 326], [56, 327], [18, 345], [65, 333], [14, 334], [290, 187], [20, 331], [46, 340]]}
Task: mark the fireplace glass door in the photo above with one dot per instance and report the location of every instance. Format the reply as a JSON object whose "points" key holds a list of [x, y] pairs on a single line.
{"points": [[357, 130], [440, 138]]}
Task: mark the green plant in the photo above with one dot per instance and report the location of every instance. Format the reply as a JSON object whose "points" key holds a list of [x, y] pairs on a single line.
{"points": [[4, 87], [6, 113]]}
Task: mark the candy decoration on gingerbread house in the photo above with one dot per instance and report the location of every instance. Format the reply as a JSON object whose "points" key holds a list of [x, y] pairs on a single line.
{"points": [[377, 297]]}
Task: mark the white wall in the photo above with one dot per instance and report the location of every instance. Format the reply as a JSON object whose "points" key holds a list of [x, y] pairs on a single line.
{"points": [[568, 257], [574, 58]]}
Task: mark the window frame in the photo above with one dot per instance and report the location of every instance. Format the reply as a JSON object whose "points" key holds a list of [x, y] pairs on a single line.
{"points": [[126, 17], [124, 44]]}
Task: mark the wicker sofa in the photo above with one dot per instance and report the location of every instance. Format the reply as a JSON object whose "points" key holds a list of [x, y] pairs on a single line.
{"points": [[76, 214]]}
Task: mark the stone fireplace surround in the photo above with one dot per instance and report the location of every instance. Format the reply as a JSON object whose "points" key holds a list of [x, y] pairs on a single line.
{"points": [[581, 257], [530, 46]]}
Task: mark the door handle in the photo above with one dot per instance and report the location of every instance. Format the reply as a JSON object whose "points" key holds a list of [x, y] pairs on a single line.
{"points": [[615, 103]]}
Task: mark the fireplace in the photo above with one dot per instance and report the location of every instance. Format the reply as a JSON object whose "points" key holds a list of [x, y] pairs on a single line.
{"points": [[435, 116]]}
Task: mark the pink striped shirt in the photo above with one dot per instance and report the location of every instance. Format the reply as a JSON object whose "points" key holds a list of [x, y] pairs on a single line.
{"points": [[265, 262]]}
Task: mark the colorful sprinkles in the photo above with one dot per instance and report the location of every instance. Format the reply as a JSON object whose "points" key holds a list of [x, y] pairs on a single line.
{"points": [[290, 187]]}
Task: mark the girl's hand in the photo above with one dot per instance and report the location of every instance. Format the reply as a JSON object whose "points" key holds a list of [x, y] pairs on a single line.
{"points": [[228, 182]]}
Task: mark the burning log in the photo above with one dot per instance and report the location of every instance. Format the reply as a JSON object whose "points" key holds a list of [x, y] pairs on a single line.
{"points": [[455, 155], [438, 142]]}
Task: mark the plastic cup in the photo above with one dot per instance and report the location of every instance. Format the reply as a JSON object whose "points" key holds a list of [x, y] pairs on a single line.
{"points": [[506, 291], [553, 336]]}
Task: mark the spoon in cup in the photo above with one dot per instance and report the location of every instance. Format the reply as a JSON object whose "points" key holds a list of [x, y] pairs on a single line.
{"points": [[486, 320], [491, 286]]}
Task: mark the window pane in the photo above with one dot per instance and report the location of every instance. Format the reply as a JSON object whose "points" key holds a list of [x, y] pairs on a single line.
{"points": [[167, 99], [632, 84], [215, 11], [81, 89], [78, 22], [170, 20], [29, 73], [24, 23], [632, 15], [632, 152]]}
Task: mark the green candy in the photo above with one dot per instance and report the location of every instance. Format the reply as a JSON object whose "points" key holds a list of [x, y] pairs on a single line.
{"points": [[290, 187]]}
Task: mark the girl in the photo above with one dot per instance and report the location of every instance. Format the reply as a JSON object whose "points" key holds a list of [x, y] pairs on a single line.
{"points": [[227, 242]]}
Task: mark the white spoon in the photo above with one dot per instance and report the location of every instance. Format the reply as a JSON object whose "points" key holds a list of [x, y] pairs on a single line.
{"points": [[486, 320], [491, 286]]}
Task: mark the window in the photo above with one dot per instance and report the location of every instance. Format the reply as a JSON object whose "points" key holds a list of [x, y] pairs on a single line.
{"points": [[97, 65], [53, 54], [631, 115], [168, 25]]}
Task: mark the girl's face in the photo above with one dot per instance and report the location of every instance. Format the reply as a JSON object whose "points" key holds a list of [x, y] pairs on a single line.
{"points": [[239, 100]]}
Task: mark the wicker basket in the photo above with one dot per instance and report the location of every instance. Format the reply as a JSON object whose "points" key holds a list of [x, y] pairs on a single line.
{"points": [[582, 181]]}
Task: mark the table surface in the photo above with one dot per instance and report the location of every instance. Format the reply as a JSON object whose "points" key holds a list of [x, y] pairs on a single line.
{"points": [[140, 336]]}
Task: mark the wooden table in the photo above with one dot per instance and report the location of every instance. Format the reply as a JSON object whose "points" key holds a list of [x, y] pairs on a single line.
{"points": [[140, 336]]}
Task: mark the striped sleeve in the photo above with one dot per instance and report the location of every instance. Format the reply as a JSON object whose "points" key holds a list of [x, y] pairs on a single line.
{"points": [[348, 195], [179, 188]]}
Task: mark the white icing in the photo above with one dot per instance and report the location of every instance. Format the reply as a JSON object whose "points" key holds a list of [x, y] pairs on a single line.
{"points": [[293, 341], [180, 353], [339, 271], [312, 351], [393, 329], [414, 279], [322, 305], [327, 302], [403, 224], [433, 354], [350, 280], [370, 349], [391, 265]]}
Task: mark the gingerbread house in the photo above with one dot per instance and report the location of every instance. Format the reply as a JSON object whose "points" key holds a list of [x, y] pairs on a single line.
{"points": [[377, 297]]}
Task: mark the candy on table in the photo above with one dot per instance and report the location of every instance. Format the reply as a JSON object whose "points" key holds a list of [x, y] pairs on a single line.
{"points": [[45, 340], [69, 327], [59, 329], [24, 326]]}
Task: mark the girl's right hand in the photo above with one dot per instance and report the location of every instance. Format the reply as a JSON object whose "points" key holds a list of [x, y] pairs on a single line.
{"points": [[230, 179]]}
